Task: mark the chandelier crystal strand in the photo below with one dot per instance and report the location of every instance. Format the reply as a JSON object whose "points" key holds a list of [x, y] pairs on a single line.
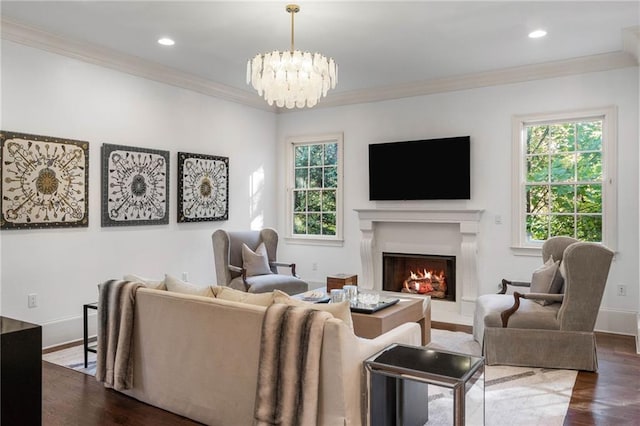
{"points": [[292, 79]]}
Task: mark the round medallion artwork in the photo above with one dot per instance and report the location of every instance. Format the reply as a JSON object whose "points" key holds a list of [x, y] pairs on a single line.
{"points": [[44, 182], [203, 187], [135, 186]]}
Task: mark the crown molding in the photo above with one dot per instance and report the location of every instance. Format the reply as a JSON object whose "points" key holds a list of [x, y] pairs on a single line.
{"points": [[109, 58], [581, 65], [631, 41]]}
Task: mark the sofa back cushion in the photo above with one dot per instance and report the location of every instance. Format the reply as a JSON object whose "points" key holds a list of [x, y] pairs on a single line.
{"points": [[260, 299], [178, 286]]}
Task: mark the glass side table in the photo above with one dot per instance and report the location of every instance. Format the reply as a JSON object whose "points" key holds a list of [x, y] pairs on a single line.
{"points": [[88, 347], [400, 378]]}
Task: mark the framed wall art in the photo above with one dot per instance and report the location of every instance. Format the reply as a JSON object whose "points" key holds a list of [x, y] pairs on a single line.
{"points": [[135, 186], [45, 181], [203, 187]]}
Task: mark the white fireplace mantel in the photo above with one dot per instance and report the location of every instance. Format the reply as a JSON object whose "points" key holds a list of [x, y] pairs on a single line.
{"points": [[469, 225]]}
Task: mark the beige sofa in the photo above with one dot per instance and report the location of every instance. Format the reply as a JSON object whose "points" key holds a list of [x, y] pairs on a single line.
{"points": [[198, 357]]}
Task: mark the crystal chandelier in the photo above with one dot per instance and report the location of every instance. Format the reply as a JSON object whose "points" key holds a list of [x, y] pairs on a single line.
{"points": [[292, 78]]}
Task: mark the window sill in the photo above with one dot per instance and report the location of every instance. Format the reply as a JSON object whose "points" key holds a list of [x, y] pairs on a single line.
{"points": [[310, 241], [526, 251]]}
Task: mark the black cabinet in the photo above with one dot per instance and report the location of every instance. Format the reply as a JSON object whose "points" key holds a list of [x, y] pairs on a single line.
{"points": [[20, 373]]}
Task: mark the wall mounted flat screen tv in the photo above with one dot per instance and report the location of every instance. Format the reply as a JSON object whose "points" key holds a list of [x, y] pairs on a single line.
{"points": [[431, 169]]}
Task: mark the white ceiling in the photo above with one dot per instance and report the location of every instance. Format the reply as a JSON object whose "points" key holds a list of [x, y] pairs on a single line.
{"points": [[376, 44]]}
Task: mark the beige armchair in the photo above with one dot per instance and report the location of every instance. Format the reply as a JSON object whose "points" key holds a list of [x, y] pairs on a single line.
{"points": [[233, 270], [550, 330]]}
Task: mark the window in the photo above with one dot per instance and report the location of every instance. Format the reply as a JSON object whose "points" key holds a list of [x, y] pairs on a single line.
{"points": [[315, 188], [565, 166]]}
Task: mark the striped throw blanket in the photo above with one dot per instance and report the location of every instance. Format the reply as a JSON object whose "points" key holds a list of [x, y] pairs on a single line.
{"points": [[289, 373], [115, 331]]}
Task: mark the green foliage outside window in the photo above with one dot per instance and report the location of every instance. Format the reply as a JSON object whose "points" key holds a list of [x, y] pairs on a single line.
{"points": [[564, 180], [315, 189]]}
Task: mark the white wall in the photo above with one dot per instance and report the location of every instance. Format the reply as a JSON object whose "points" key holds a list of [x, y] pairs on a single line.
{"points": [[51, 95], [47, 94], [484, 114]]}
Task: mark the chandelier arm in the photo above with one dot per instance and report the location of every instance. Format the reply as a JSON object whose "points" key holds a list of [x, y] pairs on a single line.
{"points": [[292, 9]]}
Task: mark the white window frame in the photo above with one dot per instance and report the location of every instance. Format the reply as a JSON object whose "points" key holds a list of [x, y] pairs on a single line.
{"points": [[520, 245], [330, 240]]}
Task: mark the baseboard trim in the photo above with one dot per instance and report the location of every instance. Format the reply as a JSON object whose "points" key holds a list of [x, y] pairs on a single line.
{"points": [[618, 321], [66, 331]]}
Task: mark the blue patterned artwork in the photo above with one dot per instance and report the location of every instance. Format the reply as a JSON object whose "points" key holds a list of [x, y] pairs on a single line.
{"points": [[203, 187], [135, 186], [45, 181]]}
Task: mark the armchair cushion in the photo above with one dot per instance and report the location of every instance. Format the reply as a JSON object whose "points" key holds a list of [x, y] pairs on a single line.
{"points": [[528, 315], [255, 262], [267, 283]]}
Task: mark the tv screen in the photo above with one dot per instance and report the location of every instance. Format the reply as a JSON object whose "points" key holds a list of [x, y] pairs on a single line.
{"points": [[433, 169]]}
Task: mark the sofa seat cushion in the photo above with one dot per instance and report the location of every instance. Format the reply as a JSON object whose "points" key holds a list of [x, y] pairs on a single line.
{"points": [[266, 283], [528, 315]]}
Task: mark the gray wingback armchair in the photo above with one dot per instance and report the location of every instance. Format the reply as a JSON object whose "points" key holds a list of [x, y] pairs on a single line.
{"points": [[519, 330], [227, 253]]}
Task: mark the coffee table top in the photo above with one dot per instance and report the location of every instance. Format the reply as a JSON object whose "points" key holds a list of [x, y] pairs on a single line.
{"points": [[319, 295]]}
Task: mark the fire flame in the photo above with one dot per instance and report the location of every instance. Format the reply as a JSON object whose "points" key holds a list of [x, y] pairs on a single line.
{"points": [[425, 281]]}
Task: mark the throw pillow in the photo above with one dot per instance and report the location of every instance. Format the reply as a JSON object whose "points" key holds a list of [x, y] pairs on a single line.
{"points": [[148, 282], [178, 286], [255, 262], [543, 277], [340, 310], [260, 299]]}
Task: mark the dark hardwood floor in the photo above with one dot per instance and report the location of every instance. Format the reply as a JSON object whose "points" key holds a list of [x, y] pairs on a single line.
{"points": [[609, 397], [71, 398]]}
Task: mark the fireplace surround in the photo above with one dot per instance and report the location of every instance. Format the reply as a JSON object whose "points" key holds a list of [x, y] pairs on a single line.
{"points": [[457, 232]]}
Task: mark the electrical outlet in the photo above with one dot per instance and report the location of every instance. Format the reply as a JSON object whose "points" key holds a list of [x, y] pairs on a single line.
{"points": [[314, 266], [185, 276], [621, 290], [498, 219], [32, 300]]}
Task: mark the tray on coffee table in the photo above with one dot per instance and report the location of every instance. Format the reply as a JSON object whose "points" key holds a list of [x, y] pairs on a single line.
{"points": [[369, 309]]}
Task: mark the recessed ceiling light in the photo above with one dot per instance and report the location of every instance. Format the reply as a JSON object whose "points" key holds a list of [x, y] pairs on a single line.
{"points": [[166, 41], [537, 34]]}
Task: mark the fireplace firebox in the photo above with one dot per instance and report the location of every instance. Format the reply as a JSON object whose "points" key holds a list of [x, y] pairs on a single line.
{"points": [[429, 275]]}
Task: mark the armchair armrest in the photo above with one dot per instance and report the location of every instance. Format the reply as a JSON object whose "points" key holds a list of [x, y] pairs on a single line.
{"points": [[235, 269], [506, 283], [286, 265], [506, 314], [553, 298], [242, 272]]}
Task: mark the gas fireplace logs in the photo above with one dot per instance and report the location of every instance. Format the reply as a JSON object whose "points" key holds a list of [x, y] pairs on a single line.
{"points": [[426, 282]]}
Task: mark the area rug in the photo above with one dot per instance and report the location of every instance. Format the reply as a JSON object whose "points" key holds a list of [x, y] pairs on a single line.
{"points": [[72, 358], [514, 396]]}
